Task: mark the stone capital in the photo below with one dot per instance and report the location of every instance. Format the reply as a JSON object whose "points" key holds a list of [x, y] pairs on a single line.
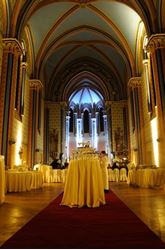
{"points": [[156, 41], [12, 45], [135, 82], [35, 84]]}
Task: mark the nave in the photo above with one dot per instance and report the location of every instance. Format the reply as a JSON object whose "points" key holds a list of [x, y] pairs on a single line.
{"points": [[147, 204]]}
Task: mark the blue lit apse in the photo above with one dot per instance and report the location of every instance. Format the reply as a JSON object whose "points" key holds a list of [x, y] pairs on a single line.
{"points": [[81, 100], [85, 95]]}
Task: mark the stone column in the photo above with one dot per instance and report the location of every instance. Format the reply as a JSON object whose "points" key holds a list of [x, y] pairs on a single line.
{"points": [[156, 49], [46, 133], [79, 130], [12, 56], [64, 111], [67, 135], [82, 128], [90, 124], [23, 76], [75, 124], [134, 85], [97, 123], [35, 86], [146, 71], [94, 134], [109, 127]]}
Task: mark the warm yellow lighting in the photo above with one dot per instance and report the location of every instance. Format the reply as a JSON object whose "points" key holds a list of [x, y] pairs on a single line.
{"points": [[18, 160], [155, 140]]}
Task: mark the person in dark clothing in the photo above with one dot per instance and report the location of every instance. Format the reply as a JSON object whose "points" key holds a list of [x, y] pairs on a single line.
{"points": [[115, 165], [55, 164]]}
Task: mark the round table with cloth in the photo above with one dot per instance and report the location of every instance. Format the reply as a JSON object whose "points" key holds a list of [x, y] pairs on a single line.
{"points": [[84, 183], [51, 175], [17, 181], [147, 178]]}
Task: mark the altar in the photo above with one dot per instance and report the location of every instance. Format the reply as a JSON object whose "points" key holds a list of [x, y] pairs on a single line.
{"points": [[84, 183]]}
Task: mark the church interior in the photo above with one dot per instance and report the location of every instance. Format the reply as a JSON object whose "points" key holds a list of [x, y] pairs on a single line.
{"points": [[82, 73]]}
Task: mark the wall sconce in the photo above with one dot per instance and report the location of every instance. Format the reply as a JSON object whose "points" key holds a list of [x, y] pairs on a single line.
{"points": [[12, 141]]}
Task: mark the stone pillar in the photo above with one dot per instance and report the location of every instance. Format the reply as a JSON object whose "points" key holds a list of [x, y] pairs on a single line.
{"points": [[67, 136], [109, 127], [46, 134], [125, 128], [23, 76], [97, 123], [156, 49], [64, 111], [94, 134], [106, 133], [79, 130], [35, 86], [82, 128], [105, 123], [12, 57], [145, 63], [75, 124], [90, 124], [134, 85]]}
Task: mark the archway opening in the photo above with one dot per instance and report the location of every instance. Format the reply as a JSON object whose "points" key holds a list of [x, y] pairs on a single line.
{"points": [[86, 121]]}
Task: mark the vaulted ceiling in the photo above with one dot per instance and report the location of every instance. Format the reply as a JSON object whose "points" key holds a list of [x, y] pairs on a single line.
{"points": [[84, 41]]}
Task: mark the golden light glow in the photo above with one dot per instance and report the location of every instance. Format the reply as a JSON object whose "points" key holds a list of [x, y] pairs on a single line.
{"points": [[18, 160], [154, 128]]}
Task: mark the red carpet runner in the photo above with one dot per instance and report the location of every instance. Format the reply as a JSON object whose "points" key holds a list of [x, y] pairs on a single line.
{"points": [[109, 226]]}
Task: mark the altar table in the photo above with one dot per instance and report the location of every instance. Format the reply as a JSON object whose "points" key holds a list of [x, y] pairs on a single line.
{"points": [[17, 181], [84, 183], [2, 179]]}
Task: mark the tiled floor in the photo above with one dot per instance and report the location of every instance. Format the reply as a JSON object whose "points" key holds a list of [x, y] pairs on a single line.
{"points": [[147, 204]]}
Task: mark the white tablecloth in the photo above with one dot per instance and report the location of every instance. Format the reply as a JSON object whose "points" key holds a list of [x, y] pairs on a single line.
{"points": [[2, 179], [58, 175], [37, 179], [17, 181], [148, 178], [84, 184], [50, 174]]}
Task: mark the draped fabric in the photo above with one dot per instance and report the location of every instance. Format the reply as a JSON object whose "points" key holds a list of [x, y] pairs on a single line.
{"points": [[84, 183]]}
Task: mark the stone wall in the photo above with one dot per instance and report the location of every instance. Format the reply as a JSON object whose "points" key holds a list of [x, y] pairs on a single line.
{"points": [[55, 126], [117, 119]]}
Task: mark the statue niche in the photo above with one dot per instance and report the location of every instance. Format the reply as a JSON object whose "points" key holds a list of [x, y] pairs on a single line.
{"points": [[53, 143]]}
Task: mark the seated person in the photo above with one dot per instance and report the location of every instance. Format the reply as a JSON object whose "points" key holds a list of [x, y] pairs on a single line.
{"points": [[115, 165], [55, 164]]}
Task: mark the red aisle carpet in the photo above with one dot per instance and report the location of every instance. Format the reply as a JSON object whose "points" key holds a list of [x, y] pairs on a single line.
{"points": [[111, 226]]}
